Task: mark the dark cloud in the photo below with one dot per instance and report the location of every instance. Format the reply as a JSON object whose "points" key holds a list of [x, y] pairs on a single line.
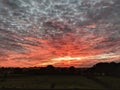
{"points": [[2, 53]]}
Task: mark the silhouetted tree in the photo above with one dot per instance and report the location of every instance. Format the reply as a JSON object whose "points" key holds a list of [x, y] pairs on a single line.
{"points": [[18, 70], [106, 68], [72, 70], [50, 69]]}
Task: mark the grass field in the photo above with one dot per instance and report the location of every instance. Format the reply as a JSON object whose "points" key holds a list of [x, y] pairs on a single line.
{"points": [[111, 82], [60, 82]]}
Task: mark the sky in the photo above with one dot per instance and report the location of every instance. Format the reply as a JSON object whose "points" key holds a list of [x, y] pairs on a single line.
{"points": [[62, 33]]}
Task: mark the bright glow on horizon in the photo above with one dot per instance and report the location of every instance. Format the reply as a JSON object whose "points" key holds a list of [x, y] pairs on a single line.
{"points": [[70, 60], [67, 58], [100, 57]]}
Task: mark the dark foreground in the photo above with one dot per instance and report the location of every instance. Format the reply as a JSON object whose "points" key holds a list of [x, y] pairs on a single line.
{"points": [[101, 76], [37, 82]]}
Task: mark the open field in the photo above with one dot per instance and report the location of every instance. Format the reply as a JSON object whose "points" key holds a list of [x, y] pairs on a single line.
{"points": [[111, 82], [60, 82]]}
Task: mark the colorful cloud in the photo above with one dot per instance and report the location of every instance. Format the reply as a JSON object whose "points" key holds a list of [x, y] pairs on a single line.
{"points": [[59, 32]]}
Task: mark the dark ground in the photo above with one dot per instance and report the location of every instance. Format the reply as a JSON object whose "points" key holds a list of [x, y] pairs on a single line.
{"points": [[37, 82]]}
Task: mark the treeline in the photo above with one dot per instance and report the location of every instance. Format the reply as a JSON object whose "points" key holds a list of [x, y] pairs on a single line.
{"points": [[105, 69], [98, 69], [41, 70]]}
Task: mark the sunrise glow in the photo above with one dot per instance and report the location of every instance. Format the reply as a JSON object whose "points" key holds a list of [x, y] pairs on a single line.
{"points": [[66, 58], [62, 33]]}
